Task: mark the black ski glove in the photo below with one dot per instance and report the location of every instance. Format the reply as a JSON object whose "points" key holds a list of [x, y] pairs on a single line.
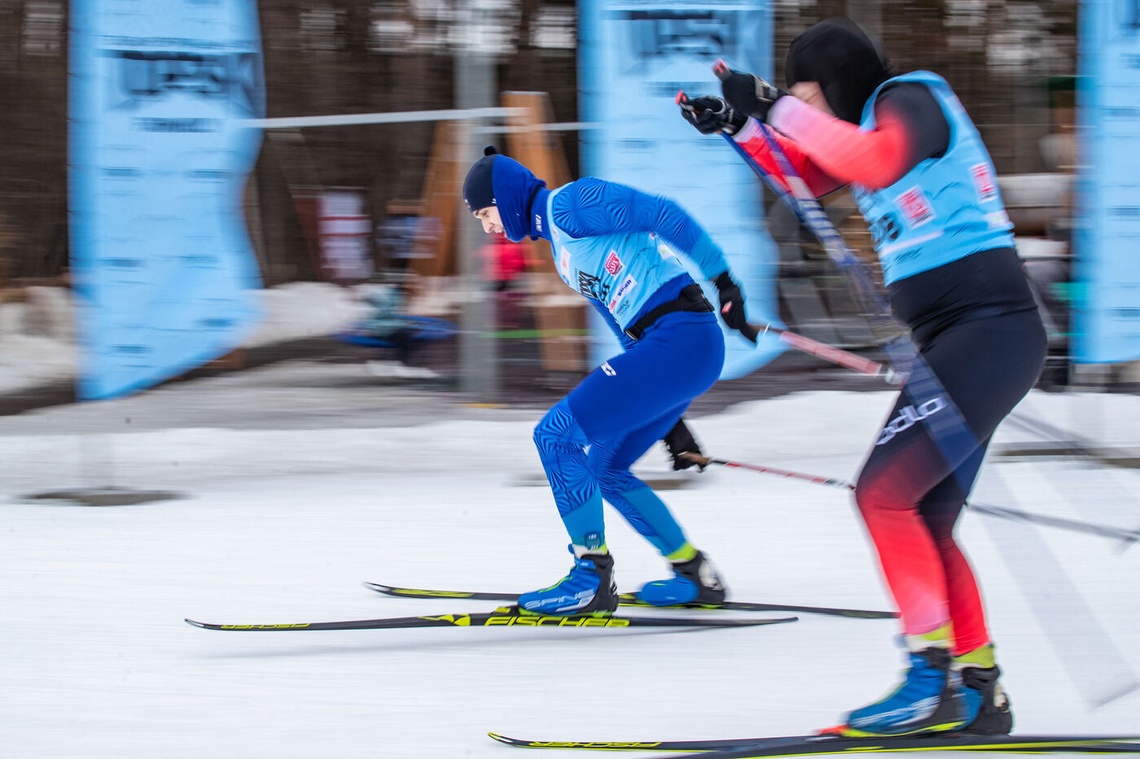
{"points": [[679, 440], [749, 94], [732, 305], [711, 115]]}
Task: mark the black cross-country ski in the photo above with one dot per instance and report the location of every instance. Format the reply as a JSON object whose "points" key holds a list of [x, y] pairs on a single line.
{"points": [[505, 616], [806, 745], [628, 599]]}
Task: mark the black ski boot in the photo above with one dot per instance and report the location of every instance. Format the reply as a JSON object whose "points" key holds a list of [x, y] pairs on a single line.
{"points": [[987, 706]]}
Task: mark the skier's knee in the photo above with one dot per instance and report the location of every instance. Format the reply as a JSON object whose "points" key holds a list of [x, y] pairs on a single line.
{"points": [[615, 482], [881, 491], [556, 431]]}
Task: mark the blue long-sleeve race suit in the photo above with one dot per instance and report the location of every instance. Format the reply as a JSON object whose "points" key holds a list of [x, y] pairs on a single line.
{"points": [[615, 245]]}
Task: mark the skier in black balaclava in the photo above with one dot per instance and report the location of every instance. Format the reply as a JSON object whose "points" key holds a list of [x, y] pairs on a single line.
{"points": [[928, 190]]}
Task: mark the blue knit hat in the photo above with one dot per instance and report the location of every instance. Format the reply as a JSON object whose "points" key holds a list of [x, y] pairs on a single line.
{"points": [[497, 180], [478, 191]]}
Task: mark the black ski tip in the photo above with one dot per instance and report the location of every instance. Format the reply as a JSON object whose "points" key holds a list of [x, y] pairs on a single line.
{"points": [[769, 621], [196, 623], [817, 744], [402, 592]]}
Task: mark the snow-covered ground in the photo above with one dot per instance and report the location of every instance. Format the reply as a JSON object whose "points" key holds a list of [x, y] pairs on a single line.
{"points": [[281, 523]]}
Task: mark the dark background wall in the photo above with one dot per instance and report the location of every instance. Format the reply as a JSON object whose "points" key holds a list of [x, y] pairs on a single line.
{"points": [[358, 56]]}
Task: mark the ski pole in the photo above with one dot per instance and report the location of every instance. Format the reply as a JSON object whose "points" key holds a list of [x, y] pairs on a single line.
{"points": [[1015, 515], [703, 461], [837, 356]]}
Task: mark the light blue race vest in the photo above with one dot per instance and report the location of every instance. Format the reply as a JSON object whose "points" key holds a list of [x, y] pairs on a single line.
{"points": [[944, 208]]}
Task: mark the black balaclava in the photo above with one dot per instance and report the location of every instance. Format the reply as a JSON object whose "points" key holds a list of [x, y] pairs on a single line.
{"points": [[840, 57]]}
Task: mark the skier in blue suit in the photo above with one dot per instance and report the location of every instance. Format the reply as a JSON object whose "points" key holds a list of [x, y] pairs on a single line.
{"points": [[616, 246]]}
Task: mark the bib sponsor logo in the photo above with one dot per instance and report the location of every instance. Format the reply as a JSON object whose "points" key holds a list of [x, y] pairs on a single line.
{"points": [[663, 249], [613, 263], [592, 286], [624, 289], [908, 417], [915, 207], [984, 182], [608, 370], [999, 220]]}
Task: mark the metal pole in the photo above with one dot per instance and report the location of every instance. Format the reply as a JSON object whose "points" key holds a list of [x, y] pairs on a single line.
{"points": [[478, 352]]}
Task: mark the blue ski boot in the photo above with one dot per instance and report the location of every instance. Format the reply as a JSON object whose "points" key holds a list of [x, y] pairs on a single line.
{"points": [[929, 700], [588, 589], [695, 581]]}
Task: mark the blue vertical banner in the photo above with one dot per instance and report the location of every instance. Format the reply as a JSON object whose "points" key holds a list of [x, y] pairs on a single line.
{"points": [[634, 56], [162, 94], [1106, 312]]}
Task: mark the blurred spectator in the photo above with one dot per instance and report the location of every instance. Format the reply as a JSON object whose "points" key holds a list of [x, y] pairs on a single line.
{"points": [[395, 239], [388, 323], [404, 235], [505, 263]]}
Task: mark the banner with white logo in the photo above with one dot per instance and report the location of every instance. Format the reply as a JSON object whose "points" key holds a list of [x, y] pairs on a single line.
{"points": [[161, 260], [1106, 309], [634, 57]]}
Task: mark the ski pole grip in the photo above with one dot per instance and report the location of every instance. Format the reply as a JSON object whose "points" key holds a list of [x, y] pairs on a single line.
{"points": [[696, 458], [721, 69]]}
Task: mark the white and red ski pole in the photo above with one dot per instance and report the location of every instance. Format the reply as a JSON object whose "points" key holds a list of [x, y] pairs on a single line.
{"points": [[703, 461], [837, 356]]}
